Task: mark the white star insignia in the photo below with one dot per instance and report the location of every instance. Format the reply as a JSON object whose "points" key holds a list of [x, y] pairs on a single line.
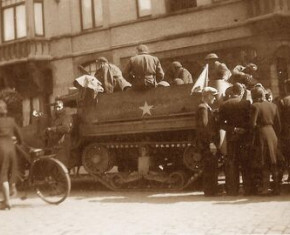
{"points": [[146, 109]]}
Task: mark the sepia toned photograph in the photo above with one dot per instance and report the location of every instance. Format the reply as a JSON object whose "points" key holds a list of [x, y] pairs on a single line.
{"points": [[144, 117]]}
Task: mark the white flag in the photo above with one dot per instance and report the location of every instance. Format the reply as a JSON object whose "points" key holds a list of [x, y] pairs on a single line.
{"points": [[202, 81]]}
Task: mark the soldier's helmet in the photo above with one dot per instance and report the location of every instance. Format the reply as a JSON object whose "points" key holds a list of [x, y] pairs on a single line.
{"points": [[211, 56], [178, 81], [3, 107], [163, 83], [176, 64], [102, 59]]}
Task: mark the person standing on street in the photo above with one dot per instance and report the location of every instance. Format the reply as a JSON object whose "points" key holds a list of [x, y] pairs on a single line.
{"points": [[144, 70], [8, 158], [266, 120], [207, 132], [234, 116], [59, 132]]}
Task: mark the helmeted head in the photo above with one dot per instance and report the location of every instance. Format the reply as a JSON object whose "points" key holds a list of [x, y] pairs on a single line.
{"points": [[211, 57], [142, 49], [163, 83], [208, 94], [176, 64], [178, 81], [102, 59], [3, 107]]}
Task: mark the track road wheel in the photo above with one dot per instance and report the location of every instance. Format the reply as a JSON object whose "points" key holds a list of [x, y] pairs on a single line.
{"points": [[177, 180], [51, 180], [192, 158], [96, 159]]}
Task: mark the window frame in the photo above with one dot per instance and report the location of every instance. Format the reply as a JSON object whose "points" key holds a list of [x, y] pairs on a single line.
{"points": [[13, 6], [139, 10], [93, 18], [43, 18]]}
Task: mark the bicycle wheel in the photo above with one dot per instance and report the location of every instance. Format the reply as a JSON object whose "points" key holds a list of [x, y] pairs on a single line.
{"points": [[50, 179]]}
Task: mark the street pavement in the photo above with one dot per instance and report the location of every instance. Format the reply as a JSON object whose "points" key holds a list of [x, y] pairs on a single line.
{"points": [[92, 209]]}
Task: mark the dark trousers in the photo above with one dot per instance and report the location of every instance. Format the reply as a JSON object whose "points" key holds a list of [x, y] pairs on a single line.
{"points": [[238, 161], [210, 174]]}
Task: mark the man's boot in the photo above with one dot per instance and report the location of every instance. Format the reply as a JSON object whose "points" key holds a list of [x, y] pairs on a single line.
{"points": [[276, 183]]}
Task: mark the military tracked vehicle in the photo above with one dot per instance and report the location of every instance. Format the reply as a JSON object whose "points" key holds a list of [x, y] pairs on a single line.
{"points": [[137, 139]]}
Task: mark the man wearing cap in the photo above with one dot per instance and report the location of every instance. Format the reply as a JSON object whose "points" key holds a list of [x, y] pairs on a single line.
{"points": [[234, 115], [110, 76], [179, 75], [59, 131], [216, 69], [144, 70], [207, 140]]}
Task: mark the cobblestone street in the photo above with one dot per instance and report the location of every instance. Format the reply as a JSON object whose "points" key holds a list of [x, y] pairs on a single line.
{"points": [[91, 209]]}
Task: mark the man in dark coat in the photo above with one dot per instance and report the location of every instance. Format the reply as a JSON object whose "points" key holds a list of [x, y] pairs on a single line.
{"points": [[110, 76], [179, 75], [234, 117], [284, 108], [144, 70], [266, 121], [207, 140], [59, 132]]}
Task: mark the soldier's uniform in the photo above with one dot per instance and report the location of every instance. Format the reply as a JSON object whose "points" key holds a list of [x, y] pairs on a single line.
{"points": [[110, 76], [179, 75], [216, 69], [207, 132], [144, 70], [234, 115]]}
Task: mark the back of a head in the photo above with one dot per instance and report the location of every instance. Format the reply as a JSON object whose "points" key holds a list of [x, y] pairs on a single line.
{"points": [[142, 49], [257, 93], [3, 107], [237, 89], [176, 64]]}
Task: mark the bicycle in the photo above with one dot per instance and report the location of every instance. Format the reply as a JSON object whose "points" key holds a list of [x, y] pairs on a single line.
{"points": [[45, 174]]}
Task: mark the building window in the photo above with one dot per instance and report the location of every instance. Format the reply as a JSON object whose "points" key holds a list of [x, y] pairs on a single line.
{"points": [[14, 19], [144, 8], [90, 67], [176, 5], [38, 18], [91, 13]]}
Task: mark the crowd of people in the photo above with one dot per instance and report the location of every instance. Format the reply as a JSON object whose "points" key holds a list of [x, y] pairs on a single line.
{"points": [[256, 140]]}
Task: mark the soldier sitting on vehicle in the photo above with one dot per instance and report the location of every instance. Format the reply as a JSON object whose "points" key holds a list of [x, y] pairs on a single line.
{"points": [[144, 70], [177, 75], [245, 75], [110, 76], [216, 69]]}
